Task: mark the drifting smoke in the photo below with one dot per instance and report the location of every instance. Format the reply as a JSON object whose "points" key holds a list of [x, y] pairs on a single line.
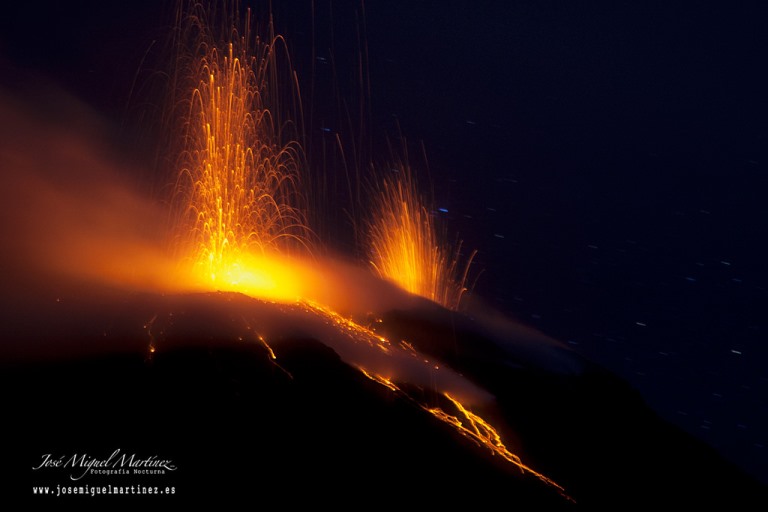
{"points": [[69, 209], [72, 213], [72, 216]]}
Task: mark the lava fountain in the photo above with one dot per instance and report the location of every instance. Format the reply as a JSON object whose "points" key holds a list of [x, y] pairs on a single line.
{"points": [[237, 194], [405, 247], [236, 199], [238, 226]]}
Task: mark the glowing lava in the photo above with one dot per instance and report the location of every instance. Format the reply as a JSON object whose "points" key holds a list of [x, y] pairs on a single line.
{"points": [[484, 434], [473, 427], [238, 188], [404, 245], [238, 191]]}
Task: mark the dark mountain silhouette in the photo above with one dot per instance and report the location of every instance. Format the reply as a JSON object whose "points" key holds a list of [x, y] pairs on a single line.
{"points": [[307, 428]]}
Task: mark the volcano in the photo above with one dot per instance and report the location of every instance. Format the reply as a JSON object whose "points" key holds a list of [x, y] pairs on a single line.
{"points": [[272, 373], [101, 373]]}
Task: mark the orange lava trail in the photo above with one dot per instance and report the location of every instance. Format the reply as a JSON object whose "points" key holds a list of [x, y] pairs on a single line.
{"points": [[237, 215], [484, 434], [478, 430]]}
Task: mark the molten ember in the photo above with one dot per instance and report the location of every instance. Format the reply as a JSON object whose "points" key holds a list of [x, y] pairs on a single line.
{"points": [[484, 434], [239, 190], [238, 187], [405, 247], [238, 225]]}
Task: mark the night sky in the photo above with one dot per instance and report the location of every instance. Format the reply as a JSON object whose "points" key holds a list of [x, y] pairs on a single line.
{"points": [[608, 160]]}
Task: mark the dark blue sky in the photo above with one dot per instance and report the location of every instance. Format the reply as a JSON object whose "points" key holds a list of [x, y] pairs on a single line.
{"points": [[608, 160]]}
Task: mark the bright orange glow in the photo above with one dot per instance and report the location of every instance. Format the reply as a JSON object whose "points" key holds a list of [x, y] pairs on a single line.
{"points": [[484, 434], [404, 245], [473, 427], [266, 346], [273, 277], [236, 221], [358, 332], [238, 186], [384, 381]]}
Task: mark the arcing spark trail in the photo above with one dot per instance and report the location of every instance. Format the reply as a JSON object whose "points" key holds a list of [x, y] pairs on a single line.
{"points": [[238, 188]]}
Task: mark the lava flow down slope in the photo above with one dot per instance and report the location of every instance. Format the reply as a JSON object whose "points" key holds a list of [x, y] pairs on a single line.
{"points": [[210, 347]]}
